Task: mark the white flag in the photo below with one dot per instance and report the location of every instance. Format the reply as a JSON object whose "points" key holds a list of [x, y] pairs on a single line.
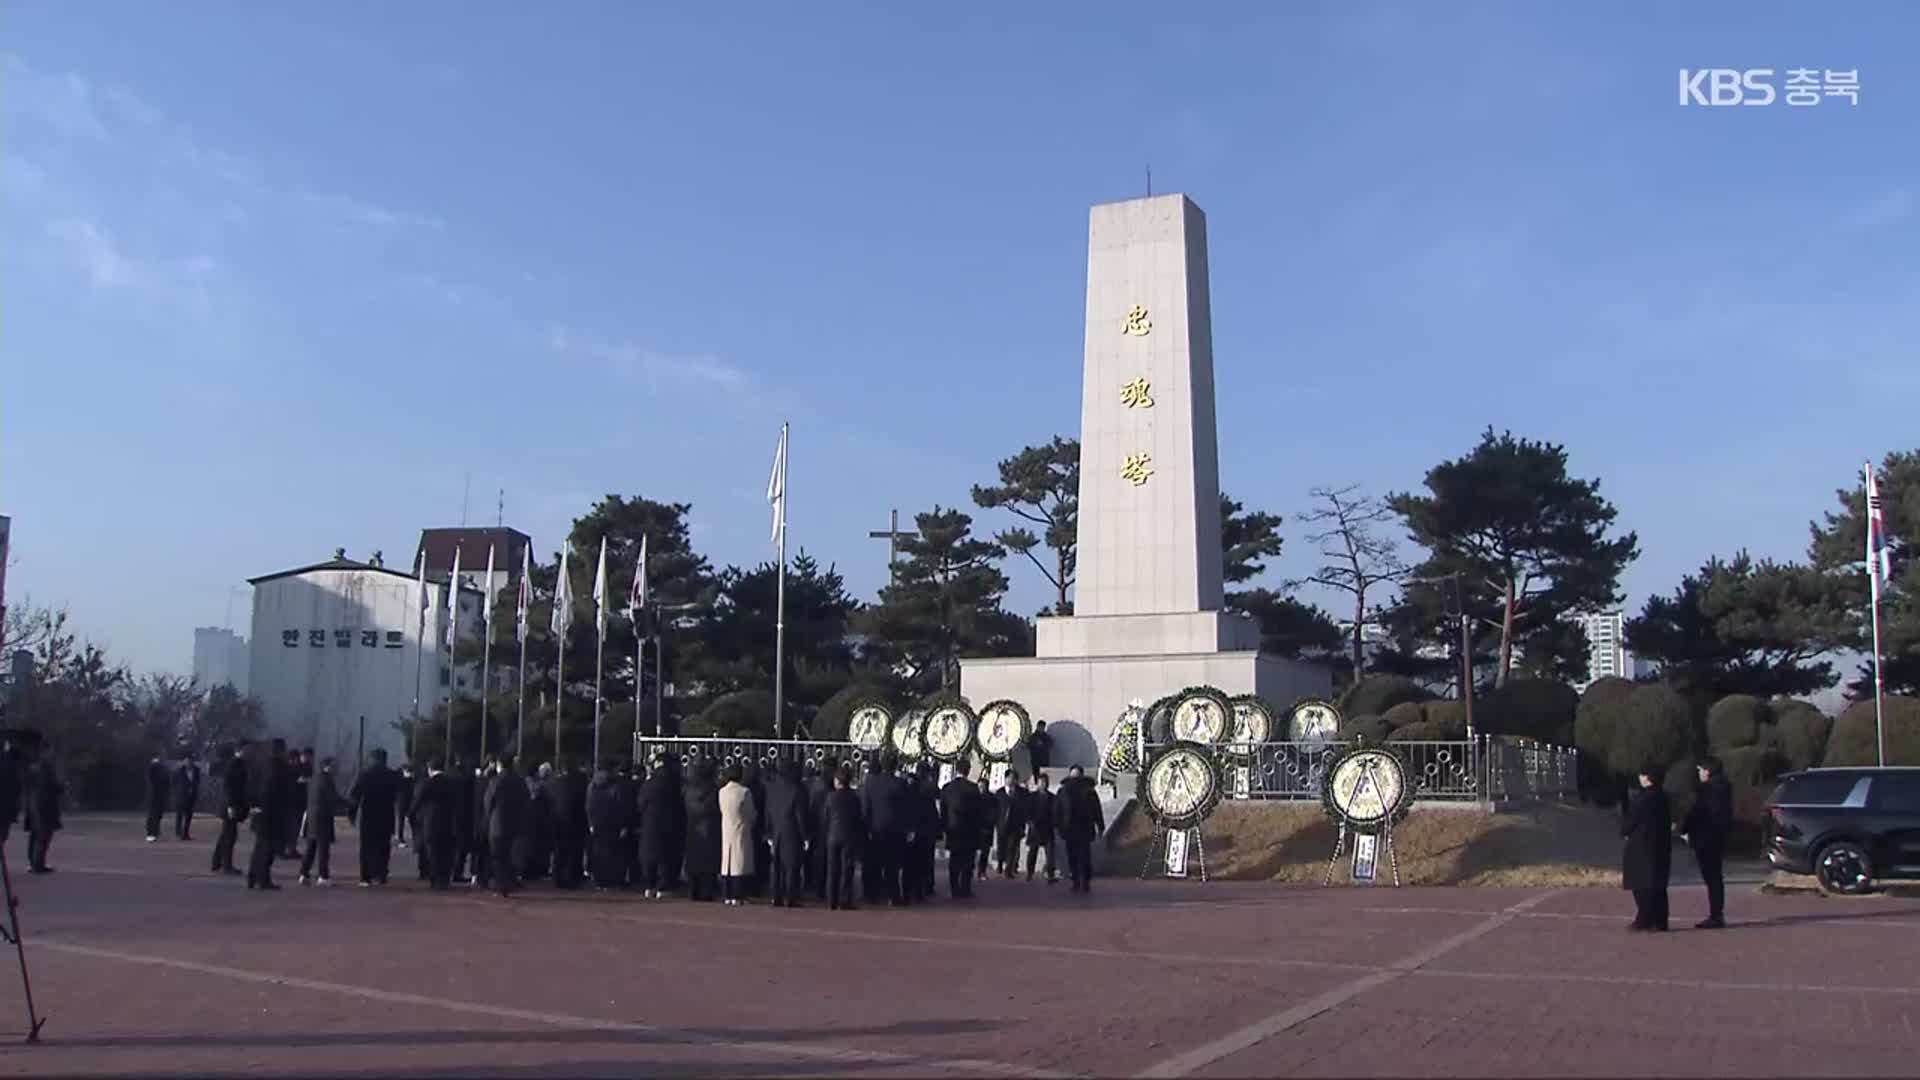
{"points": [[486, 605], [600, 592], [563, 598], [453, 602], [777, 487], [526, 593], [420, 600], [637, 596]]}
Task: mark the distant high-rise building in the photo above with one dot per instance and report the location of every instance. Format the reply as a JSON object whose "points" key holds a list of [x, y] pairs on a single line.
{"points": [[220, 658], [1607, 653]]}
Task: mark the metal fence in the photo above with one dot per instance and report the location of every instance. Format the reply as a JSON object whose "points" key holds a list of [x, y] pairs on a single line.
{"points": [[1488, 769], [762, 752]]}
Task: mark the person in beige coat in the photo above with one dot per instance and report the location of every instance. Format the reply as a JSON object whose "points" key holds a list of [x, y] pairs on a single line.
{"points": [[737, 818]]}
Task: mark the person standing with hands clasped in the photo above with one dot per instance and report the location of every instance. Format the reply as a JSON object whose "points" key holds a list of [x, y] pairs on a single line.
{"points": [[1648, 857], [1705, 830]]}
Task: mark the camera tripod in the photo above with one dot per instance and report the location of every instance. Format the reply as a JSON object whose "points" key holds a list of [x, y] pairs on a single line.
{"points": [[11, 932]]}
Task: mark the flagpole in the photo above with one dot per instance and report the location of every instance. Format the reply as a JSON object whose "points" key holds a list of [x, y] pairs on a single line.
{"points": [[486, 653], [1874, 565], [780, 600], [559, 696], [599, 659], [453, 639], [419, 654], [520, 720]]}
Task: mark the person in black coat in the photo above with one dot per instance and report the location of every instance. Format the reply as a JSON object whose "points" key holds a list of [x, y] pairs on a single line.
{"points": [[819, 785], [660, 812], [436, 807], [702, 801], [607, 817], [507, 805], [755, 779], [789, 824], [961, 811], [299, 773], [1042, 811], [569, 807], [323, 804], [1040, 748], [460, 781], [403, 804], [370, 809], [186, 796], [844, 830], [1707, 825], [43, 790], [1078, 814], [271, 780], [888, 813], [629, 778], [1011, 823], [233, 809], [1648, 858], [159, 787], [480, 849], [923, 835], [13, 775], [538, 862]]}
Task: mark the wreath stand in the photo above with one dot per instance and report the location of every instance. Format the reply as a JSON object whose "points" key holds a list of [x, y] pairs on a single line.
{"points": [[1340, 847], [1171, 846]]}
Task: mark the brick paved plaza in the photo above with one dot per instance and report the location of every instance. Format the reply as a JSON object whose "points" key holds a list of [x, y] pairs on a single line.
{"points": [[146, 964]]}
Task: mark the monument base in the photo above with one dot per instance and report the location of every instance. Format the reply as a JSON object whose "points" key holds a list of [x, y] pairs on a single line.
{"points": [[1081, 698]]}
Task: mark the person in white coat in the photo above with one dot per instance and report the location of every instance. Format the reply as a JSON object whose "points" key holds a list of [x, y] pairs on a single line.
{"points": [[737, 818]]}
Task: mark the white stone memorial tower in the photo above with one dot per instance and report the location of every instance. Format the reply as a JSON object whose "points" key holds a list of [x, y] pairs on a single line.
{"points": [[1147, 616]]}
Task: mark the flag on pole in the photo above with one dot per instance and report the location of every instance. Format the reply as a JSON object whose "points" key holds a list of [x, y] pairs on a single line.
{"points": [[453, 600], [486, 605], [563, 598], [637, 596], [420, 599], [600, 591], [777, 487], [526, 594], [1879, 556]]}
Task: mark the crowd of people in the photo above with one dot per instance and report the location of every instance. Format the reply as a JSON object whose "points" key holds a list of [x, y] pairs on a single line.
{"points": [[787, 833]]}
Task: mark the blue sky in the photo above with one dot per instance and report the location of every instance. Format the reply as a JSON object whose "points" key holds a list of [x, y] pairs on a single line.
{"points": [[277, 280]]}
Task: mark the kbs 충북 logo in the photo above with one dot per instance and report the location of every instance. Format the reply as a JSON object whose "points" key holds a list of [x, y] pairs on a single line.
{"points": [[1758, 86]]}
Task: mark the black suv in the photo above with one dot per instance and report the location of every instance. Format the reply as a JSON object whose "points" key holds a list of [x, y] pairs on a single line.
{"points": [[1847, 827]]}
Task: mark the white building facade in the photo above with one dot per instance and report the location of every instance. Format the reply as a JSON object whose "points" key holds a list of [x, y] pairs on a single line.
{"points": [[220, 658], [1607, 654], [341, 641]]}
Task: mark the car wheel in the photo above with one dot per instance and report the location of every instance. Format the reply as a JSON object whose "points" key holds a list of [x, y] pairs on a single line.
{"points": [[1843, 867]]}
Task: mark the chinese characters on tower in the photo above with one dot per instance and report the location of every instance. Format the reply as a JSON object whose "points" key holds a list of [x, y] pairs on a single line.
{"points": [[1137, 394], [1137, 324], [1136, 469]]}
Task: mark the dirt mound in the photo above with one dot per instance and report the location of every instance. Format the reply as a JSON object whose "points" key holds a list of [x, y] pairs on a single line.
{"points": [[1288, 841]]}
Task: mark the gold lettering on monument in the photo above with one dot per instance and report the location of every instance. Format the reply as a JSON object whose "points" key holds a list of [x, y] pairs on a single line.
{"points": [[1137, 324], [1137, 394], [1136, 468]]}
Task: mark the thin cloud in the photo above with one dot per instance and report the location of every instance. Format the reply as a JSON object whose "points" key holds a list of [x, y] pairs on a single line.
{"points": [[635, 365], [348, 210], [92, 248]]}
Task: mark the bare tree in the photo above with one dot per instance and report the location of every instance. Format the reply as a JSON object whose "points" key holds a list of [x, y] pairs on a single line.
{"points": [[1358, 559], [28, 627]]}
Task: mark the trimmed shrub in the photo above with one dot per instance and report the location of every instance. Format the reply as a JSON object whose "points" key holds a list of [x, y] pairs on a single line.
{"points": [[1598, 715], [1655, 729], [1375, 694], [1539, 709], [1752, 766], [1371, 728], [1801, 731], [741, 714], [1735, 721], [1449, 718], [1418, 731], [1407, 712], [1853, 742]]}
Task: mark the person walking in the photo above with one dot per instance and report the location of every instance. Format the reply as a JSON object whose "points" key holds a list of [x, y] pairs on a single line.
{"points": [[1647, 860], [819, 789], [569, 808], [1081, 820], [272, 778], [1042, 807], [885, 807], [607, 821], [924, 830], [403, 804], [371, 803], [844, 831], [186, 796], [539, 854], [299, 774], [1040, 748], [960, 808], [506, 810], [738, 819], [435, 806], [233, 809], [661, 816], [1705, 829], [159, 786], [44, 789], [1011, 823], [323, 805]]}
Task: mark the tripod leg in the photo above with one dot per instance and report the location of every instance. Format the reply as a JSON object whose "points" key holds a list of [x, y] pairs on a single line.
{"points": [[34, 1020]]}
